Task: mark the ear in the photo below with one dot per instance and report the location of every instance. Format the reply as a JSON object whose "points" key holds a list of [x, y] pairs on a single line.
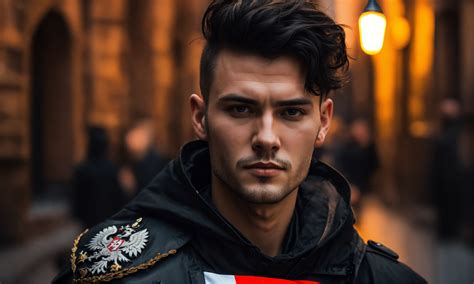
{"points": [[198, 116], [325, 116]]}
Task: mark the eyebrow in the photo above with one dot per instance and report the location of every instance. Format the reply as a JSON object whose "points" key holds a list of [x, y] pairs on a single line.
{"points": [[238, 98], [249, 101], [294, 102]]}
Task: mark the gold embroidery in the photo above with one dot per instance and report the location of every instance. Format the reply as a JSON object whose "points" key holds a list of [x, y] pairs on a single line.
{"points": [[82, 256], [83, 272], [74, 249], [115, 267], [137, 223], [124, 272]]}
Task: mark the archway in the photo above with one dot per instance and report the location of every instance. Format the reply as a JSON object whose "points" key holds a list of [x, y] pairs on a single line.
{"points": [[51, 105]]}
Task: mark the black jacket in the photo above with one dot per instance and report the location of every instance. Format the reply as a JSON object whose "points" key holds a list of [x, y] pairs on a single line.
{"points": [[171, 233], [147, 168]]}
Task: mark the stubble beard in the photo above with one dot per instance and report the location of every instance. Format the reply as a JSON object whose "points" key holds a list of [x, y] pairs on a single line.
{"points": [[264, 192], [258, 194]]}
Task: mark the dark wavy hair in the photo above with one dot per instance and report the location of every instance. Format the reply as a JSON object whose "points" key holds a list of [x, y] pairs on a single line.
{"points": [[274, 28]]}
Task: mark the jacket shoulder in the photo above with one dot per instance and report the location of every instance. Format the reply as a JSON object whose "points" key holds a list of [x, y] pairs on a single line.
{"points": [[121, 247], [381, 265]]}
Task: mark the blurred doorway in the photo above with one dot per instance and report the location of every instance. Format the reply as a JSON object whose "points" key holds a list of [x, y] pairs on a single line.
{"points": [[51, 126]]}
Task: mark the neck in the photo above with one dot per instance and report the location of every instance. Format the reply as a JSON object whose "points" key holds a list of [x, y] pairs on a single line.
{"points": [[264, 225]]}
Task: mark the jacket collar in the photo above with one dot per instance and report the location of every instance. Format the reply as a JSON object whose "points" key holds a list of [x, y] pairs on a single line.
{"points": [[323, 217]]}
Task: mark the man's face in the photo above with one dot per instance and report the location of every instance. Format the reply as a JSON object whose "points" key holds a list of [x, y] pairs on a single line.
{"points": [[261, 126]]}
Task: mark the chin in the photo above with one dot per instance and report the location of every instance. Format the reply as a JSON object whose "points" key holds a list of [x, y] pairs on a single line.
{"points": [[263, 194]]}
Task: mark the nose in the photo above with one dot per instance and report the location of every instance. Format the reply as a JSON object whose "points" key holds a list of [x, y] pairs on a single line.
{"points": [[265, 140]]}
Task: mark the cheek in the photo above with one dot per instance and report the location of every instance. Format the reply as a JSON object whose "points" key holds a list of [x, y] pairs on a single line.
{"points": [[226, 139], [300, 146], [301, 139]]}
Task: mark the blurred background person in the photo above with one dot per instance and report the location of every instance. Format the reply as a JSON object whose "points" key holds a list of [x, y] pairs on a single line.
{"points": [[451, 180], [358, 160], [452, 187], [96, 191], [142, 162]]}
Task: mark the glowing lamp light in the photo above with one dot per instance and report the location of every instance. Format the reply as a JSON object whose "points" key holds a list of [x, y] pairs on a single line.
{"points": [[401, 32], [372, 24]]}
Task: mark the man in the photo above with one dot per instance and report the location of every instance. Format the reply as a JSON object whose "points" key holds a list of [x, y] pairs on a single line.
{"points": [[358, 160], [451, 174], [247, 203], [143, 161], [96, 176]]}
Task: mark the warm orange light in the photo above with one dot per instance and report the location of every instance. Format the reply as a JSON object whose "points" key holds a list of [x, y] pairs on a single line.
{"points": [[400, 32], [420, 67], [372, 31]]}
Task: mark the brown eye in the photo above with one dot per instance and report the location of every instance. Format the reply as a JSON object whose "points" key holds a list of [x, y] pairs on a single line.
{"points": [[241, 109], [292, 112]]}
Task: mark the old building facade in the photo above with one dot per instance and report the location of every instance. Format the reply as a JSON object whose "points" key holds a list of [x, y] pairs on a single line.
{"points": [[67, 64]]}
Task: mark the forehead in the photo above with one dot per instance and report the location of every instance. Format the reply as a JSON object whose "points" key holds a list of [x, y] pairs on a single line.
{"points": [[243, 70]]}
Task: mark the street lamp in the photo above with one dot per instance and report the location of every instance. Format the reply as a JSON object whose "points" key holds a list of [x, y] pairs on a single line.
{"points": [[372, 25]]}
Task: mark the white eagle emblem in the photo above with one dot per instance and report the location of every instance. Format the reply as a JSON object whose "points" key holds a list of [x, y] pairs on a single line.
{"points": [[116, 245]]}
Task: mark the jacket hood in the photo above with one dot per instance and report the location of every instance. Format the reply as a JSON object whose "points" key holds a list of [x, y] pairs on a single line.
{"points": [[322, 220]]}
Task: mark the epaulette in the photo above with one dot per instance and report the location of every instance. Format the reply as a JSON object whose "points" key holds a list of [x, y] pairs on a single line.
{"points": [[380, 249], [113, 251]]}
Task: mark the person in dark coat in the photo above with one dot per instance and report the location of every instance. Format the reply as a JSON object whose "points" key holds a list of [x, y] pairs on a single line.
{"points": [[358, 159], [247, 203], [143, 161], [97, 194], [451, 179]]}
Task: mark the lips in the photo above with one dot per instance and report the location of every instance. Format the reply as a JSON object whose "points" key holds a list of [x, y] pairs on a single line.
{"points": [[265, 169]]}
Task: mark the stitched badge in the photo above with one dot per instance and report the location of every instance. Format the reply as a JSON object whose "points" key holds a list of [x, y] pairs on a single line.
{"points": [[113, 246]]}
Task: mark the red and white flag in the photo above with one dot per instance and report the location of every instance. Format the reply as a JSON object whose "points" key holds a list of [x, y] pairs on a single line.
{"points": [[213, 278]]}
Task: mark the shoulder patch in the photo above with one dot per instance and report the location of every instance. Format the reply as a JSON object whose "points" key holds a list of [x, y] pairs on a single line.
{"points": [[381, 249], [102, 258]]}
